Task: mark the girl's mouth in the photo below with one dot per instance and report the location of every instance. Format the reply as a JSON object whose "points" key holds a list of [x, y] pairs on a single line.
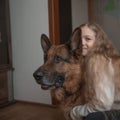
{"points": [[84, 51]]}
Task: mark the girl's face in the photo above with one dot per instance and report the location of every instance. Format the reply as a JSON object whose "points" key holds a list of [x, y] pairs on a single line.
{"points": [[88, 39]]}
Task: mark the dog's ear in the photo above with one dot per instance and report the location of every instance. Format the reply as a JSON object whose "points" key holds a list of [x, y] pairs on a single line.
{"points": [[45, 43], [75, 41]]}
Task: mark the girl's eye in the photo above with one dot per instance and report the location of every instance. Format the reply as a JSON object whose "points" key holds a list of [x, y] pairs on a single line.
{"points": [[57, 59], [88, 38]]}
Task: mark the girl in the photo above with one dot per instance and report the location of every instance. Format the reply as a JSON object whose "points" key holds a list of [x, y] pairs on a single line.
{"points": [[98, 53]]}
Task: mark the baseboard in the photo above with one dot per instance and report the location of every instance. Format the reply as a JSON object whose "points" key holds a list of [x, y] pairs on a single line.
{"points": [[36, 103]]}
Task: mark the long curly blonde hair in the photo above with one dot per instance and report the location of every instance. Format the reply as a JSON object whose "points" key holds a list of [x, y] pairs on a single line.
{"points": [[102, 44]]}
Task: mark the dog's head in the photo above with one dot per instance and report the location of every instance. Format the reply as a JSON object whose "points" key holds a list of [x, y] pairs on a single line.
{"points": [[62, 64]]}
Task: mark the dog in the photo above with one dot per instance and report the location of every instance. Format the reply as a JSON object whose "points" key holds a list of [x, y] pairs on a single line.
{"points": [[61, 70]]}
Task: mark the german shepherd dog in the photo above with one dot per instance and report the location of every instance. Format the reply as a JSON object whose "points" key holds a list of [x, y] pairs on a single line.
{"points": [[61, 70]]}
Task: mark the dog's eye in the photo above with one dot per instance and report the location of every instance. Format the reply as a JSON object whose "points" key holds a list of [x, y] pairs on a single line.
{"points": [[57, 59]]}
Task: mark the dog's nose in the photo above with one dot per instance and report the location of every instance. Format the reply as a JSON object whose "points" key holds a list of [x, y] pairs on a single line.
{"points": [[38, 75]]}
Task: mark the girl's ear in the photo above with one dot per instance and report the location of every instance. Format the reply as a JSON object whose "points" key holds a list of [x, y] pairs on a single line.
{"points": [[75, 41], [45, 43]]}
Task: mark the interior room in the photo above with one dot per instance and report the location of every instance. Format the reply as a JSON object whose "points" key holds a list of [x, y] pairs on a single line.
{"points": [[22, 23]]}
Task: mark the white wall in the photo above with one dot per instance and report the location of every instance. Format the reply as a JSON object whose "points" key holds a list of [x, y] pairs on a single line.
{"points": [[29, 19], [79, 12]]}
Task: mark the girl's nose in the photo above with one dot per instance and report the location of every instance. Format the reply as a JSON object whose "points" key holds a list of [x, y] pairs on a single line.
{"points": [[83, 42]]}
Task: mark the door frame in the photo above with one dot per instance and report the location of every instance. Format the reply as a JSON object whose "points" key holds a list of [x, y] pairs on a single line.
{"points": [[53, 11]]}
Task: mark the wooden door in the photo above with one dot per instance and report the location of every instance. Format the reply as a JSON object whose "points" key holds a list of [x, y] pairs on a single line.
{"points": [[5, 51], [60, 21], [5, 37]]}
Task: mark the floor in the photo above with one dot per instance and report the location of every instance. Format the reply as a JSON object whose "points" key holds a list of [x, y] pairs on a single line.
{"points": [[30, 111]]}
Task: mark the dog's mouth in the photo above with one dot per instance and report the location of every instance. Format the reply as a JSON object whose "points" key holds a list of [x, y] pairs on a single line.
{"points": [[58, 83], [46, 87]]}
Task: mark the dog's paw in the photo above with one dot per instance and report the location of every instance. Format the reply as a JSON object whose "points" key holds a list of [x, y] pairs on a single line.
{"points": [[60, 94]]}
